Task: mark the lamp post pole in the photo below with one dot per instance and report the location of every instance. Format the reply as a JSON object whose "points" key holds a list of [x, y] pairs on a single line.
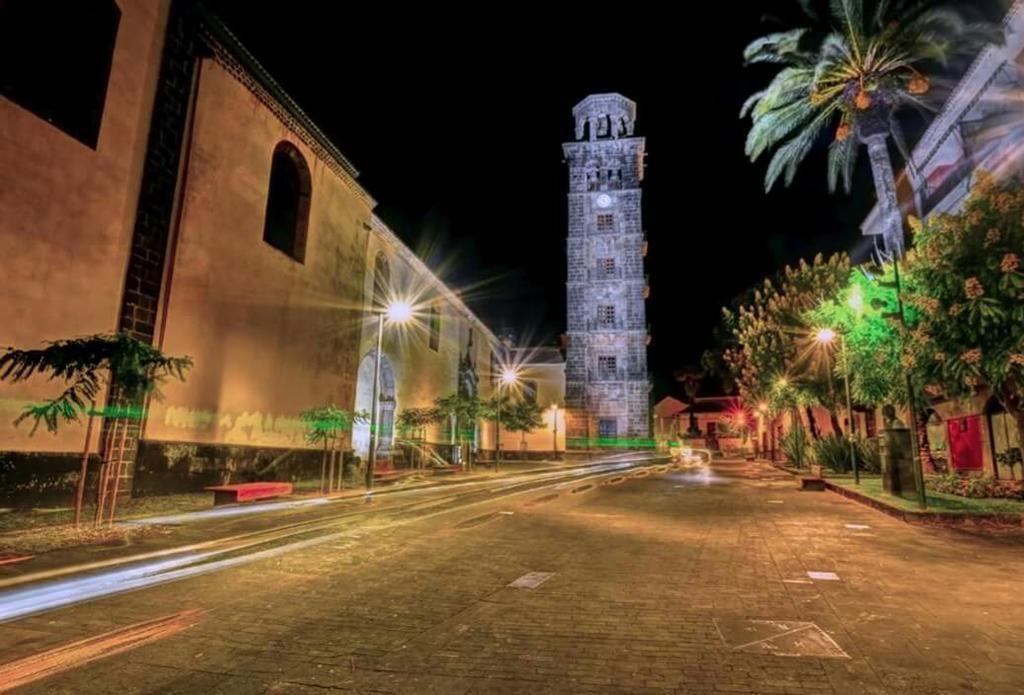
{"points": [[849, 409], [497, 430], [375, 406]]}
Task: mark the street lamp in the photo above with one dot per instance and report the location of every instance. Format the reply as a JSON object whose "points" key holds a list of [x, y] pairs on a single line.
{"points": [[508, 377], [396, 312], [826, 336]]}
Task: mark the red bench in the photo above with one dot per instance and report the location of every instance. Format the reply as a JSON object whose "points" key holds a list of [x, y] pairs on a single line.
{"points": [[247, 492]]}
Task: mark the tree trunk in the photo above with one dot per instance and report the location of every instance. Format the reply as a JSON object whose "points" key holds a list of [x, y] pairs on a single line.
{"points": [[330, 471], [837, 427], [323, 467], [812, 426], [83, 472], [924, 447], [885, 189]]}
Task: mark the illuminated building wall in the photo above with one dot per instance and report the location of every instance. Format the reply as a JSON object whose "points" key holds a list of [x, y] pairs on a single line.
{"points": [[67, 207], [213, 218], [607, 384], [443, 349]]}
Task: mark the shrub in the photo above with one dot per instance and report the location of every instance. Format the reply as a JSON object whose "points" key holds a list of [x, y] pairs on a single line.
{"points": [[833, 452], [976, 488], [795, 446]]}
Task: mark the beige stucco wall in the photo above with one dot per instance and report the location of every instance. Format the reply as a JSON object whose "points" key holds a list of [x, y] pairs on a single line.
{"points": [[550, 380], [421, 374], [270, 336], [66, 217]]}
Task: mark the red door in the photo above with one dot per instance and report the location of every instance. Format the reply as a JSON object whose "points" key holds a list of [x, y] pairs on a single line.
{"points": [[965, 443]]}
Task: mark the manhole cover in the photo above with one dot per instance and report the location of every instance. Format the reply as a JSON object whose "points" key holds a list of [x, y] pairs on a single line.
{"points": [[531, 580], [778, 638]]}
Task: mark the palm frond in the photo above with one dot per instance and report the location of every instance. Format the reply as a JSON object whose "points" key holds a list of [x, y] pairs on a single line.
{"points": [[788, 157], [773, 127], [842, 161], [751, 102], [849, 15], [779, 47]]}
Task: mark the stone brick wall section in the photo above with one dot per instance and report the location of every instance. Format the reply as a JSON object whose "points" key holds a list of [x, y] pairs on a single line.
{"points": [[156, 205]]}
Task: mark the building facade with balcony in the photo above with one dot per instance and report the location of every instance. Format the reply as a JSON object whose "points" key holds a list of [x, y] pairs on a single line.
{"points": [[979, 128]]}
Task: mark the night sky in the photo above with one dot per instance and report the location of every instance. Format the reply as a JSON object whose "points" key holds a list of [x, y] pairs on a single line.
{"points": [[455, 121]]}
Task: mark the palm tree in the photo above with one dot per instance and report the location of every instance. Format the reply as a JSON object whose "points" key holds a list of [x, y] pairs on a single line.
{"points": [[868, 65], [131, 368]]}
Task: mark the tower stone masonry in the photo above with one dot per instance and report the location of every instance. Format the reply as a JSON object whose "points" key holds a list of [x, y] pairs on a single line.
{"points": [[607, 394]]}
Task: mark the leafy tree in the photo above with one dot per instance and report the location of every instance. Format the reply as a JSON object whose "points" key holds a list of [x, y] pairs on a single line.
{"points": [[326, 426], [861, 313], [412, 422], [875, 344], [966, 279], [523, 416], [461, 411], [855, 68], [690, 377], [771, 359], [132, 368]]}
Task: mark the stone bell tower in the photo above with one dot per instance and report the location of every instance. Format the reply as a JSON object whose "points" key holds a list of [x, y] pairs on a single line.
{"points": [[607, 386]]}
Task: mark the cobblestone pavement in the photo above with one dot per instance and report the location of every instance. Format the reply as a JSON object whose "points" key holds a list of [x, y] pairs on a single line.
{"points": [[682, 582]]}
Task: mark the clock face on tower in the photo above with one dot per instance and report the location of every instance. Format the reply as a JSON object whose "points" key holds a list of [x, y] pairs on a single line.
{"points": [[603, 200]]}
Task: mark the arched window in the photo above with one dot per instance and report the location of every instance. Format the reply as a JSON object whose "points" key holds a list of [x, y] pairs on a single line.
{"points": [[287, 214], [381, 282]]}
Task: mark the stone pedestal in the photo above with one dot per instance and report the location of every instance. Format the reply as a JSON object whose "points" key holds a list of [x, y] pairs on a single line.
{"points": [[897, 462]]}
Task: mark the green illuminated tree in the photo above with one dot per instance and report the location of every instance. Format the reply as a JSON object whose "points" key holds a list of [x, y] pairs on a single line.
{"points": [[132, 368], [965, 278], [853, 68], [875, 343]]}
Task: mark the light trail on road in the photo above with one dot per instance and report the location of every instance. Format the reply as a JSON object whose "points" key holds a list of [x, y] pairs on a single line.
{"points": [[46, 592]]}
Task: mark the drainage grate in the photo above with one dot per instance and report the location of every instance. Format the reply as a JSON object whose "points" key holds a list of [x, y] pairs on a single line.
{"points": [[778, 638], [531, 580]]}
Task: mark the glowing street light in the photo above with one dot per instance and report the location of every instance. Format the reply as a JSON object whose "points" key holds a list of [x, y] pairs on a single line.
{"points": [[856, 299], [825, 336], [397, 312], [509, 376]]}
